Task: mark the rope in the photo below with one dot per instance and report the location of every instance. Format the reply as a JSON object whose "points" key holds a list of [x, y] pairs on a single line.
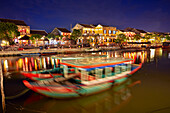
{"points": [[18, 95]]}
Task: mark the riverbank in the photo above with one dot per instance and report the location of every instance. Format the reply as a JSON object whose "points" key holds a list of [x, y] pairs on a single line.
{"points": [[53, 51]]}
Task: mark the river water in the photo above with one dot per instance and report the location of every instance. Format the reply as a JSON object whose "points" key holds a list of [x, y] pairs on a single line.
{"points": [[146, 91]]}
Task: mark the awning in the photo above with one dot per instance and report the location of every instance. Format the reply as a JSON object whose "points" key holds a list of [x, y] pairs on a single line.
{"points": [[25, 38]]}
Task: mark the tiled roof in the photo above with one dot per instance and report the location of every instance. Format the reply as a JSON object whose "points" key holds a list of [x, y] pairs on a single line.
{"points": [[87, 26], [40, 32], [105, 25], [63, 30], [137, 31], [16, 22], [121, 30], [141, 31]]}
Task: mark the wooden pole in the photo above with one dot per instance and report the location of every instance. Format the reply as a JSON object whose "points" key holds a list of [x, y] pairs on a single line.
{"points": [[2, 88]]}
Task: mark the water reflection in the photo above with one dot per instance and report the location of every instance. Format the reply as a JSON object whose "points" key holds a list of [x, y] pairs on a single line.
{"points": [[109, 101], [27, 64], [46, 62]]}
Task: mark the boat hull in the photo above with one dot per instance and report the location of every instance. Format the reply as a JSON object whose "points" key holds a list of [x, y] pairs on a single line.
{"points": [[68, 92], [76, 90]]}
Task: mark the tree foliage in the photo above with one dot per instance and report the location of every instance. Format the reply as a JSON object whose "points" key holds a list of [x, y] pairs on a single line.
{"points": [[120, 38], [35, 37], [8, 31], [148, 36], [137, 37], [96, 39], [167, 37], [51, 36], [75, 34]]}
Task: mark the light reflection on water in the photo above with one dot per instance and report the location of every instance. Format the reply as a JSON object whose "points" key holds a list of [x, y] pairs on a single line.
{"points": [[127, 97], [46, 62]]}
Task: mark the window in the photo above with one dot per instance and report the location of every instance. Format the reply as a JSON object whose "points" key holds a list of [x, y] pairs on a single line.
{"points": [[110, 31], [104, 31], [114, 32]]}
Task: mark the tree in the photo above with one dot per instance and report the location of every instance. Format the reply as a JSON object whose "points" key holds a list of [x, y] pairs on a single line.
{"points": [[167, 37], [96, 40], [148, 36], [137, 37], [156, 38], [51, 36], [35, 37], [75, 34], [162, 37], [57, 37], [8, 31], [121, 38]]}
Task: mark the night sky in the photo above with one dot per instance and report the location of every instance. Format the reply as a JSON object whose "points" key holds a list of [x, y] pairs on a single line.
{"points": [[149, 15]]}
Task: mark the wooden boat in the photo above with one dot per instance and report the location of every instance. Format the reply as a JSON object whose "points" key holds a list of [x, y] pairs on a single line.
{"points": [[57, 71], [91, 76], [109, 101]]}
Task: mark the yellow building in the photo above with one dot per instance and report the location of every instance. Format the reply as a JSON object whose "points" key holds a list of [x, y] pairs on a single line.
{"points": [[100, 34], [106, 33]]}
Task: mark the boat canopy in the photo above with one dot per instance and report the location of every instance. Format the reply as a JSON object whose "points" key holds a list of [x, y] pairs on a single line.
{"points": [[95, 62]]}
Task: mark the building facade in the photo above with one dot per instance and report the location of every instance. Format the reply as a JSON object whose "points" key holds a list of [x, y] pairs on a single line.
{"points": [[100, 34], [63, 36]]}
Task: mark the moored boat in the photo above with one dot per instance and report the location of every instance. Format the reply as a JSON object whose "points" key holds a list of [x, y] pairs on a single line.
{"points": [[91, 76], [57, 71]]}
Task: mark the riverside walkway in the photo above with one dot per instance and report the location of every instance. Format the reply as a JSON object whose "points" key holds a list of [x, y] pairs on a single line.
{"points": [[55, 51]]}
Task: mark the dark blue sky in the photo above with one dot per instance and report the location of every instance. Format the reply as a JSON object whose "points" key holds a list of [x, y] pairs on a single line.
{"points": [[149, 15]]}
